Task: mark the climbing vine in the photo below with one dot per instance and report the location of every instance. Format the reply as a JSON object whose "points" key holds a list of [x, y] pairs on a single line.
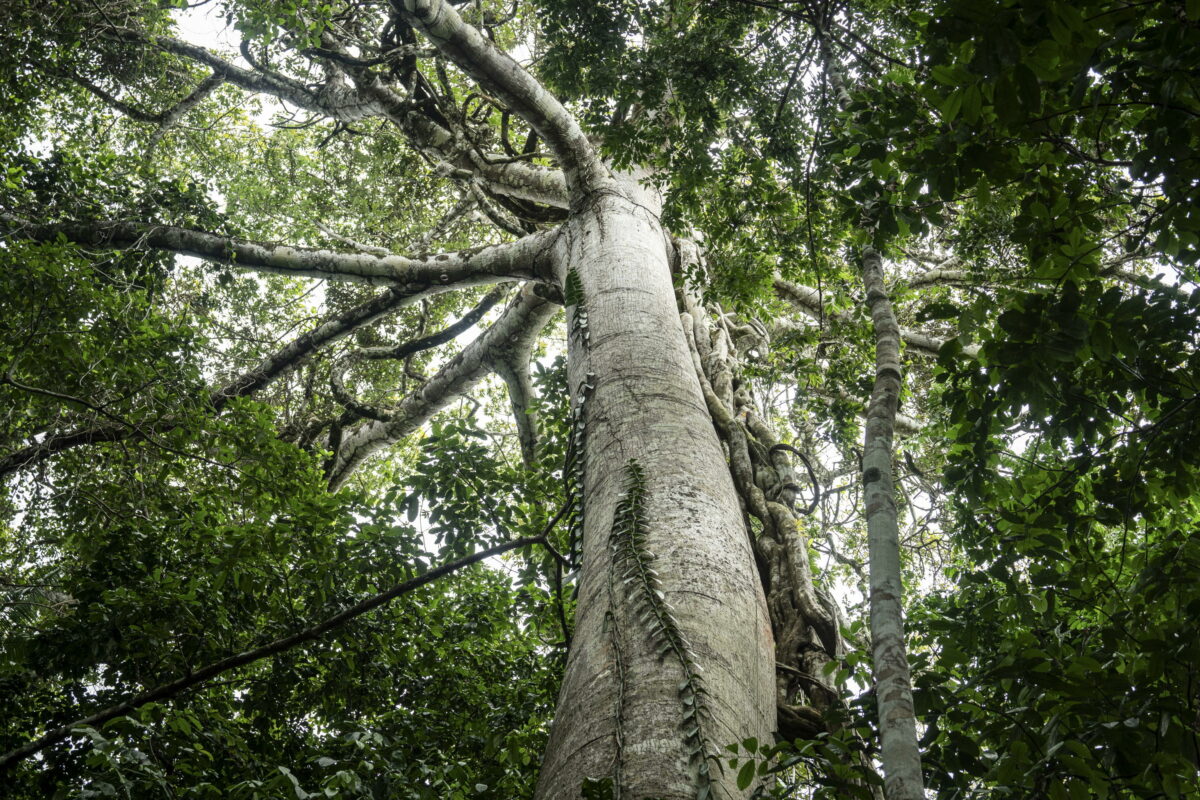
{"points": [[631, 568], [573, 296], [573, 472]]}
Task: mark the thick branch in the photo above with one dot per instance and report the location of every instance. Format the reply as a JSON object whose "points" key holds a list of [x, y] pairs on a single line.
{"points": [[518, 179], [942, 276], [167, 691], [372, 98], [504, 78], [513, 368], [522, 320], [931, 344], [523, 259], [343, 396], [945, 275], [263, 82], [441, 337]]}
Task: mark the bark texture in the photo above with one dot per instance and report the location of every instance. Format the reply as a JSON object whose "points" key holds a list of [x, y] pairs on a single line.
{"points": [[893, 686], [620, 715]]}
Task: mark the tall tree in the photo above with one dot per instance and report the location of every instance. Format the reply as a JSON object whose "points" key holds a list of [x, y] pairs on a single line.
{"points": [[249, 493]]}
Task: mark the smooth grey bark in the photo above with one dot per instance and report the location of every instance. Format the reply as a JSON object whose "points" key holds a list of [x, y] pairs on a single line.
{"points": [[619, 712], [500, 75], [523, 259], [893, 685], [900, 752], [513, 369]]}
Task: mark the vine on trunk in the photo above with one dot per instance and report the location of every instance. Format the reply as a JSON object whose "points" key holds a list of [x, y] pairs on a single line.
{"points": [[573, 297], [631, 562], [573, 464], [573, 474]]}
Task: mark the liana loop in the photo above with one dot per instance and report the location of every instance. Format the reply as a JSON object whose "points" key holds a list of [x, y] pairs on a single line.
{"points": [[816, 487]]}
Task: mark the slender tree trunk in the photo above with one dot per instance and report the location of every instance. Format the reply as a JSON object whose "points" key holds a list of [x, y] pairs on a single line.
{"points": [[624, 709], [893, 686]]}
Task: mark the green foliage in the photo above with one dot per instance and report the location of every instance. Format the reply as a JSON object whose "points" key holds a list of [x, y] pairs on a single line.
{"points": [[1050, 147], [1063, 656], [826, 768]]}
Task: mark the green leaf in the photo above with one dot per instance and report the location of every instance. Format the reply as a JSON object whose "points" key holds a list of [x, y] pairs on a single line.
{"points": [[1029, 90], [952, 104], [746, 774]]}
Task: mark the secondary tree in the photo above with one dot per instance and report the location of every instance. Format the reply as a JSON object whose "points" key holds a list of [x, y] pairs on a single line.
{"points": [[758, 220]]}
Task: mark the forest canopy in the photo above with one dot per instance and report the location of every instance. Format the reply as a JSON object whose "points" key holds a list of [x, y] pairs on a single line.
{"points": [[454, 399]]}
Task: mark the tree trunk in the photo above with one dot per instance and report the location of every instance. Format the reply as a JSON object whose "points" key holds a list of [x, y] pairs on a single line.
{"points": [[893, 685], [625, 709]]}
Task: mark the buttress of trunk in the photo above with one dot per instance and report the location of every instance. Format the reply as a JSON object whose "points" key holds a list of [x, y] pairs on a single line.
{"points": [[897, 719], [625, 709]]}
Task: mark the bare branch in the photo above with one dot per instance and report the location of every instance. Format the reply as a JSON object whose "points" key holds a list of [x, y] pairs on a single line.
{"points": [[516, 179], [441, 337], [171, 117], [513, 368], [371, 97], [524, 259], [942, 276], [523, 319], [346, 240], [445, 225], [269, 369], [495, 214], [338, 387], [263, 82]]}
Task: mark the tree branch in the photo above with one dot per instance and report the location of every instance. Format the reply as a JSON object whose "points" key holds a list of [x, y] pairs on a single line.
{"points": [[504, 78], [171, 117], [338, 387], [523, 319], [371, 97], [513, 368], [441, 337], [524, 259], [269, 369], [129, 110], [264, 82]]}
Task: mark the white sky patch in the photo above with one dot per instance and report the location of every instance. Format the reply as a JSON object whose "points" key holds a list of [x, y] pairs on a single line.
{"points": [[204, 27]]}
